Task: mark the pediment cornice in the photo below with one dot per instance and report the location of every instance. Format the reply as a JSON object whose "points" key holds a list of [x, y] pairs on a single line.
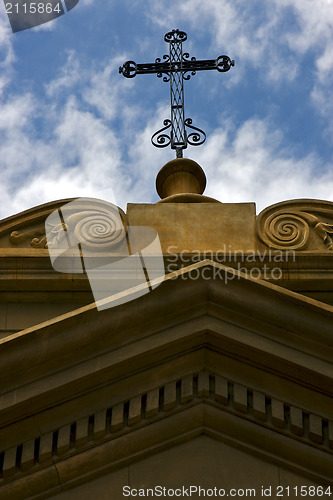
{"points": [[27, 229], [208, 351], [300, 224], [254, 325], [198, 403], [290, 244]]}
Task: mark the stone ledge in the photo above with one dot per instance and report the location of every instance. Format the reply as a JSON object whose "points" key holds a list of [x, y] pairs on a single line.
{"points": [[126, 416]]}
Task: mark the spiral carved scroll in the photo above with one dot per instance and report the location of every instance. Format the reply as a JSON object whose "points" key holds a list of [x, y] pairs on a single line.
{"points": [[286, 230], [94, 225], [100, 230], [297, 225]]}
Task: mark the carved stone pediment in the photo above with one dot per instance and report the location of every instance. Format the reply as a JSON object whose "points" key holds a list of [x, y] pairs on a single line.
{"points": [[289, 225], [91, 220], [243, 361], [27, 229], [297, 225]]}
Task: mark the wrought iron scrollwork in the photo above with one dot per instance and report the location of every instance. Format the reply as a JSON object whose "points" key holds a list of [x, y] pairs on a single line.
{"points": [[175, 36], [197, 137], [162, 140], [159, 139], [176, 68], [128, 69], [224, 63], [166, 57], [164, 67]]}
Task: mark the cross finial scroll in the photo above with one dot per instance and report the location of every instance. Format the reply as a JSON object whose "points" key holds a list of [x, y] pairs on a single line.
{"points": [[177, 67]]}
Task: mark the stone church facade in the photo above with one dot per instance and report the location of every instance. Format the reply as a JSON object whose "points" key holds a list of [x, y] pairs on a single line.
{"points": [[215, 381]]}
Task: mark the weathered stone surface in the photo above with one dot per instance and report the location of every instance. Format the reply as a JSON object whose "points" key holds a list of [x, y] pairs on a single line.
{"points": [[131, 393], [204, 228], [297, 225]]}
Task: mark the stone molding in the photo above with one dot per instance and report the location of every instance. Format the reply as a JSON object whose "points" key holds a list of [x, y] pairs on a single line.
{"points": [[125, 416], [27, 229], [301, 225], [297, 225], [301, 271], [240, 318], [247, 324], [91, 221]]}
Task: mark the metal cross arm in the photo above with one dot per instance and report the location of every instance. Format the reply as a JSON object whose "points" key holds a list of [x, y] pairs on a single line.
{"points": [[222, 64], [177, 67], [130, 68]]}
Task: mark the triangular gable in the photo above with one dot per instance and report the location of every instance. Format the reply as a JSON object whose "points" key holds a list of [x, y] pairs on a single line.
{"points": [[241, 360]]}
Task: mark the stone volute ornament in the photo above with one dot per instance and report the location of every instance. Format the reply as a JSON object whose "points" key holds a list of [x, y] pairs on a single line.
{"points": [[297, 225], [99, 225]]}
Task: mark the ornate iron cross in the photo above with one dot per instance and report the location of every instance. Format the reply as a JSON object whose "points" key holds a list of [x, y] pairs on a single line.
{"points": [[177, 67]]}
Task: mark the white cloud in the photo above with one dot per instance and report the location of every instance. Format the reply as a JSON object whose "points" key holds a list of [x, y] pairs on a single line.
{"points": [[75, 152], [253, 29], [252, 164], [7, 56], [70, 75], [16, 112], [248, 32], [312, 38], [18, 149], [90, 139], [281, 39], [82, 155], [104, 91], [313, 28]]}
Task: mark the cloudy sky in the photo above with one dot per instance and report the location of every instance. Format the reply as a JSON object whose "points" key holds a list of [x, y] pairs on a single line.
{"points": [[71, 126]]}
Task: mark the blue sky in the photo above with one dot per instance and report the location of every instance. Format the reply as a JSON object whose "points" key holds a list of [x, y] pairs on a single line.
{"points": [[71, 126]]}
